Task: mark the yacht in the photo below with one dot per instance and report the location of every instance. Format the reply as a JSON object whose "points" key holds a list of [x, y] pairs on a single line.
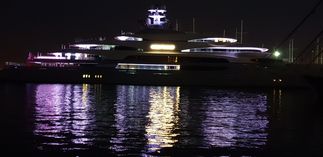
{"points": [[157, 55]]}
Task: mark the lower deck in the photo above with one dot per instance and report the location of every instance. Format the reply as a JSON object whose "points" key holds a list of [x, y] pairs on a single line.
{"points": [[222, 75]]}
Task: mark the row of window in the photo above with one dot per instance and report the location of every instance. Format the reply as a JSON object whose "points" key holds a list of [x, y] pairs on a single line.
{"points": [[174, 59], [147, 66], [87, 76], [44, 64], [219, 50]]}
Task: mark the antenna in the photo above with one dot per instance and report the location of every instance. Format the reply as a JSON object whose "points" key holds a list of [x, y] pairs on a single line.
{"points": [[317, 50], [241, 33], [291, 51], [193, 25]]}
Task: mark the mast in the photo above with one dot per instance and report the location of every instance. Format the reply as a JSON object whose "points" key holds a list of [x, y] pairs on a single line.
{"points": [[241, 32], [193, 25], [317, 52], [237, 33], [291, 51]]}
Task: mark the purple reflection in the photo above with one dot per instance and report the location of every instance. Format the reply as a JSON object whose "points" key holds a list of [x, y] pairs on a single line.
{"points": [[131, 106], [237, 119], [62, 114]]}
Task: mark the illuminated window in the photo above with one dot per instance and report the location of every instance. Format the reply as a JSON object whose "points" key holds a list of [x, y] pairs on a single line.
{"points": [[226, 49], [216, 40], [172, 59], [86, 76], [128, 38], [50, 57], [148, 66], [98, 76], [162, 47], [92, 46]]}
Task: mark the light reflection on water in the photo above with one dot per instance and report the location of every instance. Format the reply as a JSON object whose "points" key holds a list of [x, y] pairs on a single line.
{"points": [[62, 111], [236, 119], [140, 119], [162, 117]]}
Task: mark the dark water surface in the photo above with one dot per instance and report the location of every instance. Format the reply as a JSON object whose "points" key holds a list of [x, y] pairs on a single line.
{"points": [[105, 120]]}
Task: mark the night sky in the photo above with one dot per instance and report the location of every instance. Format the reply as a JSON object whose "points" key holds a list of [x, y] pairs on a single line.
{"points": [[45, 25]]}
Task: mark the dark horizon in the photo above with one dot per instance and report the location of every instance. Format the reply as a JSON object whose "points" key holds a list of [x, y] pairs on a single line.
{"points": [[36, 26]]}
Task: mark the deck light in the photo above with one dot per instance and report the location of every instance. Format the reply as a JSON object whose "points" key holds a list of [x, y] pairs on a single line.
{"points": [[277, 54]]}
